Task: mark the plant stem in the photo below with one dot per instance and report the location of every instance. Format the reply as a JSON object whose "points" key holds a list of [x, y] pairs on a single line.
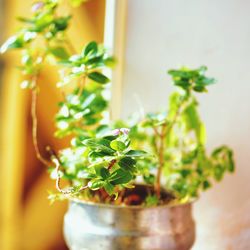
{"points": [[156, 131], [57, 163], [111, 164], [70, 45], [166, 128], [34, 124], [161, 160], [58, 178], [81, 85]]}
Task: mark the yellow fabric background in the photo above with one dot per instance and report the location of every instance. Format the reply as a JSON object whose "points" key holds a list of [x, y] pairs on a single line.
{"points": [[27, 221]]}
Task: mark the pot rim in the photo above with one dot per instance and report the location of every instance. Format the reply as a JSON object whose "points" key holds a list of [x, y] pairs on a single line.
{"points": [[133, 207]]}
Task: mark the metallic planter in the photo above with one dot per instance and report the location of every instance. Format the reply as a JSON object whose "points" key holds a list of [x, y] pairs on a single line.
{"points": [[89, 226]]}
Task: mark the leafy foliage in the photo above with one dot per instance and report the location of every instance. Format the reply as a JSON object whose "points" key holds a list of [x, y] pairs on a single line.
{"points": [[42, 35], [100, 163], [186, 165], [79, 112], [190, 80], [87, 64], [107, 158]]}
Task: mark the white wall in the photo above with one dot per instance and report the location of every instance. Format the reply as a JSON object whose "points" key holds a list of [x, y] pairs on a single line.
{"points": [[163, 34]]}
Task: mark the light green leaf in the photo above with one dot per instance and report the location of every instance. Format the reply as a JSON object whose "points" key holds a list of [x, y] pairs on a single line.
{"points": [[96, 184], [117, 145], [59, 52], [13, 42], [136, 153], [202, 136]]}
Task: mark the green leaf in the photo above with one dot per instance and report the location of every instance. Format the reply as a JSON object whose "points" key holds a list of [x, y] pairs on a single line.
{"points": [[206, 184], [174, 102], [59, 52], [88, 101], [98, 77], [136, 153], [91, 48], [151, 200], [109, 188], [120, 176], [25, 20], [117, 145], [126, 163], [95, 156], [149, 179], [96, 184], [231, 164], [13, 42], [193, 122], [61, 23], [202, 136], [109, 62], [95, 61], [104, 173], [199, 89], [191, 79], [218, 172], [99, 144], [223, 156]]}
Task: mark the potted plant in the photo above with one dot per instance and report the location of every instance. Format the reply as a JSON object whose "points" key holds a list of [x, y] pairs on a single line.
{"points": [[130, 184]]}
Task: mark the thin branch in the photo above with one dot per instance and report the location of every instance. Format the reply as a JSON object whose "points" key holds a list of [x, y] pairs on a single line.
{"points": [[34, 124], [63, 95], [83, 188], [156, 131], [161, 161], [82, 85], [111, 164], [57, 163], [70, 45], [58, 178], [174, 120], [166, 128]]}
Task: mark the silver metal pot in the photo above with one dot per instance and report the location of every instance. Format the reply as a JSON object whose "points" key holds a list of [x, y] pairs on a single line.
{"points": [[90, 226]]}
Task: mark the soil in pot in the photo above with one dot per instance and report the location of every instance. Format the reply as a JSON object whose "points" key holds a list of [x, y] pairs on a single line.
{"points": [[139, 195]]}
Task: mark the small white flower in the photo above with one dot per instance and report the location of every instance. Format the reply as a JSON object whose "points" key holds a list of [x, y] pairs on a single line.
{"points": [[119, 131], [64, 111], [75, 100], [116, 132], [78, 115], [125, 131], [25, 84], [74, 58], [29, 35], [37, 6], [6, 45], [76, 70], [62, 125]]}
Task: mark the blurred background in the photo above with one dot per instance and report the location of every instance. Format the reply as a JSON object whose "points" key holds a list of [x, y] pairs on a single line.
{"points": [[27, 221], [156, 36]]}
